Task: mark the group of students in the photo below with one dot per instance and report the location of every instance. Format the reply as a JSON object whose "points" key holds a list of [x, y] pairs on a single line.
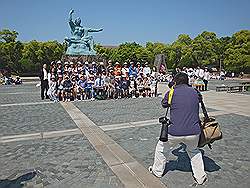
{"points": [[81, 81], [198, 77]]}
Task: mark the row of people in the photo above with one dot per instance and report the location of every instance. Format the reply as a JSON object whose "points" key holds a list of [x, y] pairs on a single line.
{"points": [[101, 86], [86, 68]]}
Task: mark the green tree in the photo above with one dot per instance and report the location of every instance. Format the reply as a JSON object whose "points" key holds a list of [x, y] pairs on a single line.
{"points": [[237, 54], [204, 48], [10, 51], [181, 52]]}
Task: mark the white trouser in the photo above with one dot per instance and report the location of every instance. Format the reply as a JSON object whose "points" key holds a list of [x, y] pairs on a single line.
{"points": [[193, 151]]}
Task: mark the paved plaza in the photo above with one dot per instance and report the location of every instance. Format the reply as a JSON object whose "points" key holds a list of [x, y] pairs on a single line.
{"points": [[111, 143]]}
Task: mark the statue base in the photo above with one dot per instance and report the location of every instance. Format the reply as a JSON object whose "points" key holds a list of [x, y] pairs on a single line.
{"points": [[82, 58]]}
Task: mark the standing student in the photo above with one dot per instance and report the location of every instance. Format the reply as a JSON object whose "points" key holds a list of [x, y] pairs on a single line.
{"points": [[44, 82], [206, 78]]}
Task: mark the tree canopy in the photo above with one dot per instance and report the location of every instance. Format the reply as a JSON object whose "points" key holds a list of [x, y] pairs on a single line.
{"points": [[206, 49]]}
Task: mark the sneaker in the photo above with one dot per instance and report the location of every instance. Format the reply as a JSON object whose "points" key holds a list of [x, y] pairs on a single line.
{"points": [[195, 184], [150, 169]]}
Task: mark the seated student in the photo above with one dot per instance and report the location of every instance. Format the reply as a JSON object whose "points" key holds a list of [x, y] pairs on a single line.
{"points": [[74, 86], [101, 68], [89, 89], [59, 88], [140, 86], [79, 67], [153, 85], [99, 86], [117, 69], [52, 89], [132, 70], [132, 86], [71, 68], [106, 78], [111, 88], [94, 68], [125, 69], [125, 86], [66, 66], [67, 88], [146, 84], [118, 87], [81, 86]]}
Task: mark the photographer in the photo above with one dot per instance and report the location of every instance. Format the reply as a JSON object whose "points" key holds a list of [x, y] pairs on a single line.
{"points": [[184, 128]]}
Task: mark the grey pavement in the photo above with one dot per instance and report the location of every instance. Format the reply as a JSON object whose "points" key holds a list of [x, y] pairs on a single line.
{"points": [[34, 118], [68, 161], [69, 158]]}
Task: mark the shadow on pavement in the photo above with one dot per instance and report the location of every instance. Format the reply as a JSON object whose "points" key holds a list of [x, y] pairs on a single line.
{"points": [[18, 182], [183, 162]]}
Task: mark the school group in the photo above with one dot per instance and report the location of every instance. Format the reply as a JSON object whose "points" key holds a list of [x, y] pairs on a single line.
{"points": [[83, 80]]}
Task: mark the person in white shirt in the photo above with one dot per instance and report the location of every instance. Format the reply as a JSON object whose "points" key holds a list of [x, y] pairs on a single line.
{"points": [[125, 69], [146, 70], [201, 73], [206, 78], [196, 71]]}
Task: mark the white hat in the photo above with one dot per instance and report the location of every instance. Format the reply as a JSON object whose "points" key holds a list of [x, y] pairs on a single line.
{"points": [[93, 63], [71, 63], [101, 63], [59, 62], [86, 63], [66, 63], [117, 63]]}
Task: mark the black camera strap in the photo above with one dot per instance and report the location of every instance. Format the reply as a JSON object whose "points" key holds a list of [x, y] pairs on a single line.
{"points": [[203, 107]]}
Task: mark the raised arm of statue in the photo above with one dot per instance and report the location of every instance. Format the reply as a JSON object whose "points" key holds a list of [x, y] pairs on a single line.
{"points": [[94, 30], [71, 23]]}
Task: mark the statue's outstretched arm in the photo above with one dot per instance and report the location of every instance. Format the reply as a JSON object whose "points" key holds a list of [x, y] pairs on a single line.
{"points": [[71, 23], [94, 30]]}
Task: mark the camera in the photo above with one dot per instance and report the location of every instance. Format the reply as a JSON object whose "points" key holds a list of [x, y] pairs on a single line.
{"points": [[164, 120]]}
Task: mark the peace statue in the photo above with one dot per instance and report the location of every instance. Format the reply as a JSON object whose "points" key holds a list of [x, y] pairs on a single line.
{"points": [[81, 43]]}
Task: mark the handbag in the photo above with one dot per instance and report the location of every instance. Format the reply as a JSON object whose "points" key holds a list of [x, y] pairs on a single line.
{"points": [[210, 129]]}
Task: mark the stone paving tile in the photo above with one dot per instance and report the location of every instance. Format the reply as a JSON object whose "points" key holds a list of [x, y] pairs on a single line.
{"points": [[20, 98], [68, 161], [33, 119], [212, 84], [122, 110], [19, 94], [18, 88], [227, 164]]}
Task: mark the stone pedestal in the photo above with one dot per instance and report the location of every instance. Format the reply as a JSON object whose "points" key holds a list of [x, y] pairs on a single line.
{"points": [[160, 59], [82, 58]]}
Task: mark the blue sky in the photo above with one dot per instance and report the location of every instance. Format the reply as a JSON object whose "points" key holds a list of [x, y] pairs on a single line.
{"points": [[125, 20]]}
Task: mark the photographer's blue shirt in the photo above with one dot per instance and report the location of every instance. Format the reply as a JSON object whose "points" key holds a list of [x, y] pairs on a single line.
{"points": [[184, 111]]}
